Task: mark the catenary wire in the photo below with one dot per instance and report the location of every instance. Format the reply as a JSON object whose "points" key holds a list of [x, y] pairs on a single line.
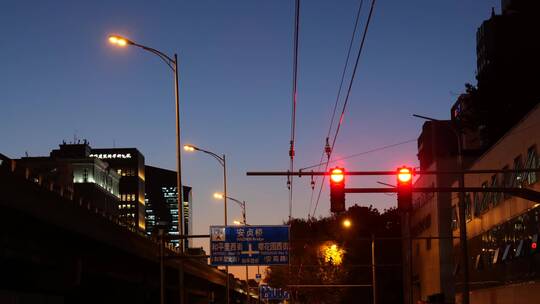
{"points": [[362, 43], [361, 153], [338, 95]]}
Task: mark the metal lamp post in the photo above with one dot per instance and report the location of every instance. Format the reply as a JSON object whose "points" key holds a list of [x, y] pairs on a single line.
{"points": [[223, 163], [244, 222], [173, 64]]}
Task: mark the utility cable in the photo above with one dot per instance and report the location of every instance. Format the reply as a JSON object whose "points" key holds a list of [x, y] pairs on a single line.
{"points": [[325, 151], [293, 111], [361, 153], [362, 43]]}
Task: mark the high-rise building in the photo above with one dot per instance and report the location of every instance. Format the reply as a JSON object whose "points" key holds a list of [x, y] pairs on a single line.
{"points": [[508, 61], [129, 165], [162, 202]]}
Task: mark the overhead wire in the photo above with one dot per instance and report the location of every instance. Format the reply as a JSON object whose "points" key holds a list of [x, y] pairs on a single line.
{"points": [[293, 110], [362, 43], [337, 97], [361, 153]]}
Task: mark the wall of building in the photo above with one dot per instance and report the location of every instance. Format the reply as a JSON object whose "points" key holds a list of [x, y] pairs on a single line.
{"points": [[501, 228]]}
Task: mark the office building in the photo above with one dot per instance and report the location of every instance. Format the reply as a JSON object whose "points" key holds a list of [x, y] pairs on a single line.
{"points": [[508, 60], [129, 165], [79, 177], [162, 202]]}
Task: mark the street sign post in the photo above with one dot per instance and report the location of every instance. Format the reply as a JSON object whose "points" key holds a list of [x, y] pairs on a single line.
{"points": [[249, 245], [269, 293]]}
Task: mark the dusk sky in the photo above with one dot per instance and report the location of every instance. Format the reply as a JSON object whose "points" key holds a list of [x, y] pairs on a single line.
{"points": [[61, 78]]}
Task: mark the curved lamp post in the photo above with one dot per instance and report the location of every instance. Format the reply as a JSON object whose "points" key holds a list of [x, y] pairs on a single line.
{"points": [[173, 64], [221, 160], [242, 204]]}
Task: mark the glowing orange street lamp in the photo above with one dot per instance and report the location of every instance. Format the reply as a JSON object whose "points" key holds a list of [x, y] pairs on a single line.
{"points": [[218, 195], [119, 40], [347, 223], [189, 148]]}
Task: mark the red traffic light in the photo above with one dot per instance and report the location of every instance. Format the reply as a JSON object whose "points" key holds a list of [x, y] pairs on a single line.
{"points": [[337, 190], [337, 175], [404, 188], [404, 174]]}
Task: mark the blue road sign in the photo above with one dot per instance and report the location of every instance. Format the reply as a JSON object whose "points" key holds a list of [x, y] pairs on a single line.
{"points": [[269, 293], [249, 245]]}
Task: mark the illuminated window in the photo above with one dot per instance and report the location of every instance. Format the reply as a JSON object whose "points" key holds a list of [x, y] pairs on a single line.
{"points": [[486, 197], [468, 207], [517, 177], [495, 196], [454, 218], [532, 163], [507, 181]]}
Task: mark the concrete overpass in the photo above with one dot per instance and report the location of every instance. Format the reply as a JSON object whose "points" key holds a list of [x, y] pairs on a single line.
{"points": [[57, 250]]}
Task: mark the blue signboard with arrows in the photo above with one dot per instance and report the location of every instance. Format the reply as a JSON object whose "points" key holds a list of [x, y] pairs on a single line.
{"points": [[249, 245]]}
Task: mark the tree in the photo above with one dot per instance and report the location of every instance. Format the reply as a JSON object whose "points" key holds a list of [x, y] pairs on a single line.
{"points": [[317, 245]]}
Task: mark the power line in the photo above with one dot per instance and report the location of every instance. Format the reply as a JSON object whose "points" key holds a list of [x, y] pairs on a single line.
{"points": [[362, 153], [294, 96], [338, 94], [362, 43]]}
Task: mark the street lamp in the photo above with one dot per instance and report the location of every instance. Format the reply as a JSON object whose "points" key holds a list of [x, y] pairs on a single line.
{"points": [[223, 163], [173, 64], [347, 223], [242, 204]]}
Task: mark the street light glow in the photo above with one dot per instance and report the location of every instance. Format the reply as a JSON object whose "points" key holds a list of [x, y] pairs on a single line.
{"points": [[347, 223], [332, 254], [118, 40], [237, 222], [189, 148], [218, 195]]}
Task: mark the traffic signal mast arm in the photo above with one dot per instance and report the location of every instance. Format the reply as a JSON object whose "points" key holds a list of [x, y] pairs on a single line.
{"points": [[366, 173], [519, 192]]}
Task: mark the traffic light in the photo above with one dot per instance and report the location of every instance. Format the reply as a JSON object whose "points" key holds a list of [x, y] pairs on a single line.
{"points": [[337, 190], [404, 188]]}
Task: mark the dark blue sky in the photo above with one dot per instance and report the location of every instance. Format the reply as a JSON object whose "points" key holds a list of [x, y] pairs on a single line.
{"points": [[59, 77]]}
